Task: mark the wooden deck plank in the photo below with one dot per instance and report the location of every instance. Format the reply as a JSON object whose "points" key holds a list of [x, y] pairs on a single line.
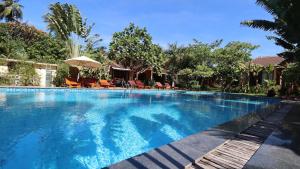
{"points": [[203, 163], [235, 153], [233, 158], [222, 161], [237, 147], [232, 154]]}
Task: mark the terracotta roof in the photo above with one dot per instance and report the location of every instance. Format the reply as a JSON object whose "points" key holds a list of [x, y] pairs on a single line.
{"points": [[268, 60]]}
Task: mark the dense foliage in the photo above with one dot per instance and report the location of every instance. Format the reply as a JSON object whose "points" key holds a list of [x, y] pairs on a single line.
{"points": [[62, 72], [209, 63], [134, 49], [22, 41], [291, 73]]}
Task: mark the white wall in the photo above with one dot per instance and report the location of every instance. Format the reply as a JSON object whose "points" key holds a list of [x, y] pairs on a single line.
{"points": [[40, 71], [42, 75], [3, 69]]}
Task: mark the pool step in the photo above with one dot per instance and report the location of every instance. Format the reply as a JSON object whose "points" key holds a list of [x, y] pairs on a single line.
{"points": [[235, 153]]}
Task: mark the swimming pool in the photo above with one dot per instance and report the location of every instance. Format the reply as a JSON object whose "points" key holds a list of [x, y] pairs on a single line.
{"points": [[72, 129]]}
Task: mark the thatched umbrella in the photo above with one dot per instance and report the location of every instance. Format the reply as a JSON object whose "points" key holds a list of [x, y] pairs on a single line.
{"points": [[83, 61]]}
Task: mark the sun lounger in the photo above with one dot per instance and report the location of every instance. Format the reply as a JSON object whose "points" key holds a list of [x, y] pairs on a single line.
{"points": [[168, 86], [132, 83], [71, 83], [105, 83], [158, 85], [89, 82], [141, 85]]}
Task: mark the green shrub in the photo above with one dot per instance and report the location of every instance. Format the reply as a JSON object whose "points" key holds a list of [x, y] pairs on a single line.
{"points": [[195, 87], [61, 73], [4, 80], [27, 73]]}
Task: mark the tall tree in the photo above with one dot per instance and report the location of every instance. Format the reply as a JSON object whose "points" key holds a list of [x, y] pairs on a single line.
{"points": [[134, 49], [229, 60], [11, 10], [285, 25], [66, 22]]}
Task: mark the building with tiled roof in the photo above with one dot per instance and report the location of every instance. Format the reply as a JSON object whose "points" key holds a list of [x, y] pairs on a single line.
{"points": [[279, 64], [268, 60]]}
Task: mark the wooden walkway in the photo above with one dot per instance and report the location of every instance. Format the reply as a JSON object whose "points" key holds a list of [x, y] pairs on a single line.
{"points": [[235, 153]]}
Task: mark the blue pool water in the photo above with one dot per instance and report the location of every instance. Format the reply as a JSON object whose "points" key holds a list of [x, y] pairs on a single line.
{"points": [[75, 129]]}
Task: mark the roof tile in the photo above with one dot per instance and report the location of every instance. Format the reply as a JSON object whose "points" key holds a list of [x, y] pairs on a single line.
{"points": [[268, 60]]}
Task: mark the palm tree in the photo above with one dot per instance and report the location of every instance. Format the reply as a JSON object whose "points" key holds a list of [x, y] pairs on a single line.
{"points": [[66, 23], [11, 11], [286, 25], [65, 19]]}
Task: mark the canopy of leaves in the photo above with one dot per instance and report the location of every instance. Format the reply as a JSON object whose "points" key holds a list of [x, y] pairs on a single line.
{"points": [[22, 41], [197, 53], [11, 10], [230, 59], [203, 71], [291, 73], [209, 59], [186, 72], [285, 25], [134, 49]]}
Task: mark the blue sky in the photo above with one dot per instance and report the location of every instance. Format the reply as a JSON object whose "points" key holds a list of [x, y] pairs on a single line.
{"points": [[168, 21]]}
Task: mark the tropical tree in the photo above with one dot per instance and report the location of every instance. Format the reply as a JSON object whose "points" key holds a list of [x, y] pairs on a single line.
{"points": [[134, 49], [66, 23], [178, 58], [191, 56], [203, 72], [229, 61], [285, 25], [11, 10], [202, 61], [23, 41]]}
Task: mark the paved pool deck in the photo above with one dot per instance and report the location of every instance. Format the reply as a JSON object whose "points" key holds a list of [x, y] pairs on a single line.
{"points": [[282, 149], [276, 152]]}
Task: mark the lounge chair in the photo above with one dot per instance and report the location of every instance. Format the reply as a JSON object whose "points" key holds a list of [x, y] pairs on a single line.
{"points": [[132, 83], [71, 83], [89, 82], [168, 86], [158, 85], [104, 83], [141, 85]]}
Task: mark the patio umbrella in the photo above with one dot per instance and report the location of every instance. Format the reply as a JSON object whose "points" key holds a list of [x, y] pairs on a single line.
{"points": [[83, 61]]}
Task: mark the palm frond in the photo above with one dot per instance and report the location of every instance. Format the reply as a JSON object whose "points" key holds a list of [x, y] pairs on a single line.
{"points": [[271, 6], [282, 42], [261, 24]]}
